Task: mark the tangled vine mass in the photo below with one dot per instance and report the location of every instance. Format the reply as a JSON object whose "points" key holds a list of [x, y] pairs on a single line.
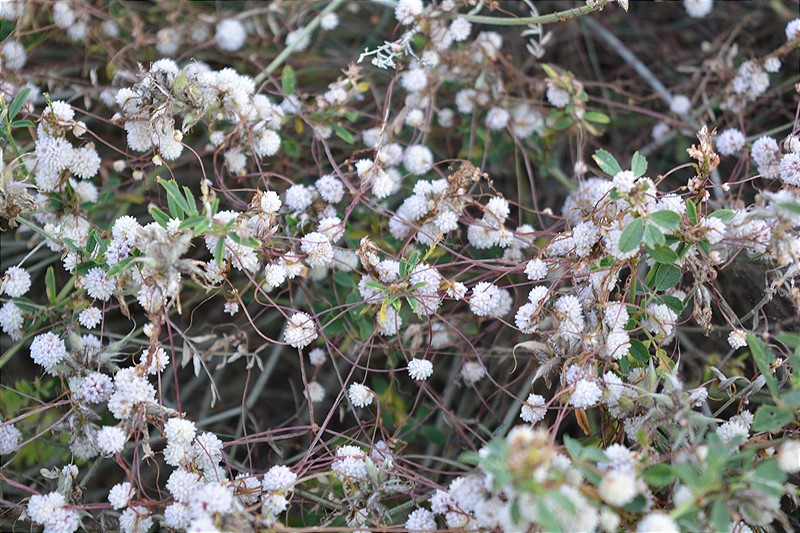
{"points": [[400, 265]]}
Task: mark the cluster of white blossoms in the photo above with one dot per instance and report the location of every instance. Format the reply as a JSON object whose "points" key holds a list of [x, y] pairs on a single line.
{"points": [[241, 123], [59, 163], [16, 282]]}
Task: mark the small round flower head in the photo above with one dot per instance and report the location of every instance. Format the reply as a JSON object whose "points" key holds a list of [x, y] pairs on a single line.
{"points": [[406, 10], [296, 39], [182, 484], [266, 143], [420, 520], [585, 395], [48, 510], [274, 275], [497, 118], [270, 202], [16, 282], [299, 197], [733, 430], [135, 519], [300, 330], [111, 440], [624, 181], [660, 320], [698, 8], [180, 431], [730, 142], [420, 369], [98, 284], [536, 269], [557, 96], [766, 154], [360, 395], [90, 317], [418, 159], [460, 29], [660, 131], [12, 320], [772, 64], [737, 339], [618, 488], [533, 409], [10, 437], [680, 105], [789, 457], [279, 478], [330, 189], [13, 55], [318, 249], [789, 169], [48, 350], [85, 162], [350, 463], [317, 356], [657, 522], [571, 315], [315, 392], [120, 494], [230, 35], [472, 372], [96, 387], [329, 22], [793, 30]]}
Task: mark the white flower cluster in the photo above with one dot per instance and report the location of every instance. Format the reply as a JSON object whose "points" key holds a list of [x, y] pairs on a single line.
{"points": [[241, 122], [58, 162]]}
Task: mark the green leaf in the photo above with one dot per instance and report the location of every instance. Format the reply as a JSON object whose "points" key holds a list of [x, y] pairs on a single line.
{"points": [[676, 304], [365, 329], [343, 279], [550, 71], [218, 251], [190, 201], [638, 164], [720, 516], [119, 267], [288, 80], [562, 122], [653, 237], [666, 276], [597, 117], [197, 224], [50, 285], [17, 102], [771, 418], [573, 447], [663, 254], [377, 286], [159, 216], [343, 134], [769, 478], [607, 162], [691, 212], [764, 358], [666, 219], [791, 206], [659, 475], [639, 351], [722, 214], [22, 124], [631, 236]]}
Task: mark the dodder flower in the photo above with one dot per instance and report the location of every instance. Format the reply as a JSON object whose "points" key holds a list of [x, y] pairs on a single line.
{"points": [[300, 330]]}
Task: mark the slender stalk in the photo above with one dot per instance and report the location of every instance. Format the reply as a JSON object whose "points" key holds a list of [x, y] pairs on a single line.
{"points": [[558, 16], [310, 27]]}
